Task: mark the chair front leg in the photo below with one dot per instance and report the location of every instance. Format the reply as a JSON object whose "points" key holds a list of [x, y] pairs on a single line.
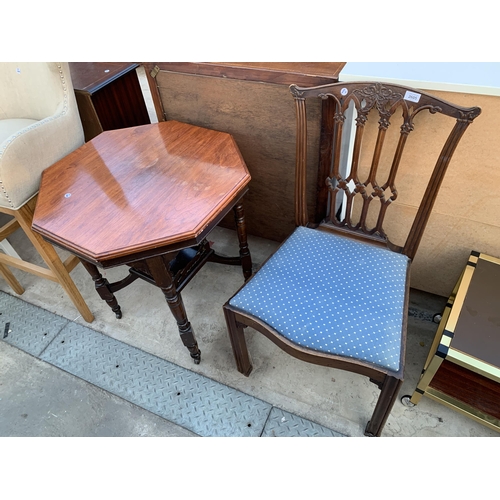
{"points": [[238, 342], [388, 395]]}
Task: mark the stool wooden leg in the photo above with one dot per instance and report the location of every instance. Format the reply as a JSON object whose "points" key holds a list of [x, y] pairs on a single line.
{"points": [[7, 275], [160, 272], [246, 259], [25, 218]]}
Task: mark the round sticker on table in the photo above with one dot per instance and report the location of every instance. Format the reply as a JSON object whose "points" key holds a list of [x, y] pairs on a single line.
{"points": [[344, 91]]}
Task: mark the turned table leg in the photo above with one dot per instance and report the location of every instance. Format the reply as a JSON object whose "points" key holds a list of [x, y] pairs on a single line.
{"points": [[160, 272], [246, 259], [102, 287]]}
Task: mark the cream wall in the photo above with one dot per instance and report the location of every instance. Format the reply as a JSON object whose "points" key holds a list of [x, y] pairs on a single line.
{"points": [[466, 214]]}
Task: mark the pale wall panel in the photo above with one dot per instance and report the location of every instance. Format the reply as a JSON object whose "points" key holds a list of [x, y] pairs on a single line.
{"points": [[466, 215]]}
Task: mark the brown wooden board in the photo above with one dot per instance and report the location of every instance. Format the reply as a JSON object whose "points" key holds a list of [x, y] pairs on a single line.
{"points": [[109, 96], [468, 387], [281, 73], [261, 118]]}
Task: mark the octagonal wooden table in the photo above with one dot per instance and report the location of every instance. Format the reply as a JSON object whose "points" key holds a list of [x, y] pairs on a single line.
{"points": [[146, 197]]}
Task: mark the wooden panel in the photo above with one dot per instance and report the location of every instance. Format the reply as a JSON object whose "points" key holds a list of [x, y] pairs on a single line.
{"points": [[468, 387], [283, 73], [121, 103], [261, 118], [109, 96], [89, 77]]}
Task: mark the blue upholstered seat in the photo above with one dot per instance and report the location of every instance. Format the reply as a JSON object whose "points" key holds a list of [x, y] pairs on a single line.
{"points": [[332, 294]]}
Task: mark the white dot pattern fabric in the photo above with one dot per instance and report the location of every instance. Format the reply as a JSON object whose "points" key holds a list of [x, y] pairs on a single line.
{"points": [[332, 294]]}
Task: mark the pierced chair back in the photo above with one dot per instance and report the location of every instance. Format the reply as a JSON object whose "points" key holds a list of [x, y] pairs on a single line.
{"points": [[359, 175], [336, 291]]}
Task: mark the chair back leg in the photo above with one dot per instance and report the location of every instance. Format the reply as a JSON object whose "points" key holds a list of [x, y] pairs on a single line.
{"points": [[386, 400]]}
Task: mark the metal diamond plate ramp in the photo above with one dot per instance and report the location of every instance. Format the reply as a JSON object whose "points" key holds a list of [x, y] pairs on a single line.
{"points": [[26, 326], [188, 399], [284, 424]]}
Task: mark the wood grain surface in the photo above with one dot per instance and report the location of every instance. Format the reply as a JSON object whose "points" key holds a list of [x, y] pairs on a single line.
{"points": [[132, 190], [261, 118]]}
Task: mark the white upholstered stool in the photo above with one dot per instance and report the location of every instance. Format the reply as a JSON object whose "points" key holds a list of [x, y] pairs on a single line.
{"points": [[39, 125]]}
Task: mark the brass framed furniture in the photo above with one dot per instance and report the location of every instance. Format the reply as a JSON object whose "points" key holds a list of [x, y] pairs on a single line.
{"points": [[147, 197], [109, 96], [336, 293], [39, 125], [462, 370]]}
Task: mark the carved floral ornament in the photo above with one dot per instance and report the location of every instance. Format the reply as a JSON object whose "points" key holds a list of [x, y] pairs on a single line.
{"points": [[469, 117], [373, 94]]}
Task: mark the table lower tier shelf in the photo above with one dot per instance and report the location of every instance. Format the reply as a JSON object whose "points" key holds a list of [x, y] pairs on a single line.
{"points": [[467, 392]]}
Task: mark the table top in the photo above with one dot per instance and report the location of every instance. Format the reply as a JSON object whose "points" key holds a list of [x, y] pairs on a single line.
{"points": [[142, 189], [90, 77], [477, 331]]}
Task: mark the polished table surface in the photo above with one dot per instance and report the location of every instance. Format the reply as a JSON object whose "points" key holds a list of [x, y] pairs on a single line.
{"points": [[140, 190], [146, 197]]}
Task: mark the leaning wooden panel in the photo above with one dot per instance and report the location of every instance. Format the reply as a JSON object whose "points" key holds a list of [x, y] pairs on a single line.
{"points": [[261, 118], [281, 73]]}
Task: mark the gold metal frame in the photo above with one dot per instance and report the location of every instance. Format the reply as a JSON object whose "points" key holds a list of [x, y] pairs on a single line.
{"points": [[443, 344]]}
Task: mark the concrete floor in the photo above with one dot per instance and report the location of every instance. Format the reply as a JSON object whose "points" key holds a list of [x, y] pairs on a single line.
{"points": [[37, 399]]}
